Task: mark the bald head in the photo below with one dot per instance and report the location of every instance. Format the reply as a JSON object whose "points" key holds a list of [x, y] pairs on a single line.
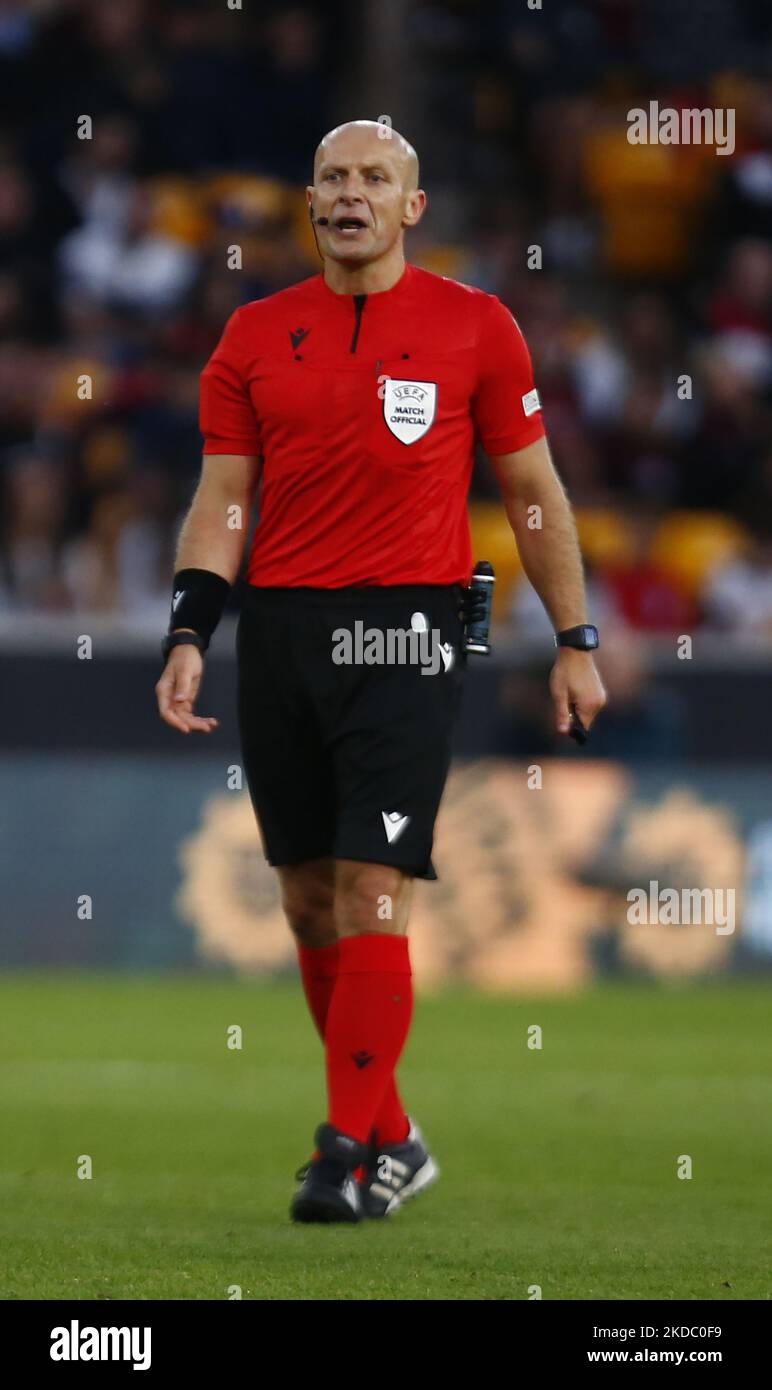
{"points": [[375, 138], [364, 197]]}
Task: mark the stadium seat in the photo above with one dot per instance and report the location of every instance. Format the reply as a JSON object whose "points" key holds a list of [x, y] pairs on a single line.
{"points": [[689, 545], [650, 197], [604, 536], [250, 198], [178, 210], [443, 259], [492, 540]]}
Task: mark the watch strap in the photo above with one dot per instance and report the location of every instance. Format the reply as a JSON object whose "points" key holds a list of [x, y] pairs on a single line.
{"points": [[583, 637]]}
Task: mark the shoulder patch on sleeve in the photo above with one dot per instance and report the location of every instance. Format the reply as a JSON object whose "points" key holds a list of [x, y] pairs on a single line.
{"points": [[531, 402]]}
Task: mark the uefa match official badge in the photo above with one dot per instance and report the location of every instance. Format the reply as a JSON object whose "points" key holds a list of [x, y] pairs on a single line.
{"points": [[409, 408]]}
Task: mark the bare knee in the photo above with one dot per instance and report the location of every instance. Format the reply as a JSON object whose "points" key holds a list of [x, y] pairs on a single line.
{"points": [[371, 898], [308, 899]]}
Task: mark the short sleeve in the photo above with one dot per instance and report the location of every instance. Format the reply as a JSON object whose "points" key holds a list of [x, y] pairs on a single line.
{"points": [[505, 407], [226, 415]]}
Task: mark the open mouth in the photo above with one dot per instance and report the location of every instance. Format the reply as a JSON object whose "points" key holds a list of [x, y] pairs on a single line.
{"points": [[350, 226]]}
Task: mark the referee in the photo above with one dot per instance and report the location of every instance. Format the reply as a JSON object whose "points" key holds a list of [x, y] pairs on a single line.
{"points": [[352, 402]]}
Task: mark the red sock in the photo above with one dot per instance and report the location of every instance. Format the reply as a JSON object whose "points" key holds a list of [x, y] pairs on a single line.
{"points": [[392, 1125], [319, 970], [368, 1020]]}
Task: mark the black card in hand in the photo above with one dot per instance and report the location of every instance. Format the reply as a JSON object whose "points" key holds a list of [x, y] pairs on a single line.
{"points": [[577, 729]]}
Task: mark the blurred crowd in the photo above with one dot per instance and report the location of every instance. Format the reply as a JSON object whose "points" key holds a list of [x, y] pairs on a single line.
{"points": [[640, 274]]}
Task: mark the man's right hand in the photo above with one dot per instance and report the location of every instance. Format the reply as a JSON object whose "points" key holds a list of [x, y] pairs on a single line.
{"points": [[177, 689]]}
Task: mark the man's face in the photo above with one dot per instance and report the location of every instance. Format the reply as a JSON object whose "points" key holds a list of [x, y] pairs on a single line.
{"points": [[365, 186]]}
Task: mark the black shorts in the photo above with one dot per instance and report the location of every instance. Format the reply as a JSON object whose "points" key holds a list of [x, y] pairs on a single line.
{"points": [[348, 760]]}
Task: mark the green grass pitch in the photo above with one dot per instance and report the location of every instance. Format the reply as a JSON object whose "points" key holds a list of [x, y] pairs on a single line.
{"points": [[559, 1165]]}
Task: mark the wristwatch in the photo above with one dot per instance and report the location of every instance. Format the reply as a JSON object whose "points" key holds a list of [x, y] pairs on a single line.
{"points": [[584, 637], [179, 639]]}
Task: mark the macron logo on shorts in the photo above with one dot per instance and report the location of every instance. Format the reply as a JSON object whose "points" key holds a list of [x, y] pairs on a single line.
{"points": [[176, 599], [393, 824], [448, 655]]}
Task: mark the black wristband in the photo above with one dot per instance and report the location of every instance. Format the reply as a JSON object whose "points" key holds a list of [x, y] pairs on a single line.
{"points": [[179, 639], [198, 599]]}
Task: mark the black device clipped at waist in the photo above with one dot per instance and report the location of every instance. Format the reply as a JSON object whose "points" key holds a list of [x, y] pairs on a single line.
{"points": [[477, 605]]}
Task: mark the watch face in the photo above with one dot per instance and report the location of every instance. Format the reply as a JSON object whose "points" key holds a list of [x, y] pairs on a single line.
{"points": [[584, 637]]}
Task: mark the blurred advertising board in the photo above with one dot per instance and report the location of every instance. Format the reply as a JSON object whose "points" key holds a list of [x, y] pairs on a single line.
{"points": [[551, 875]]}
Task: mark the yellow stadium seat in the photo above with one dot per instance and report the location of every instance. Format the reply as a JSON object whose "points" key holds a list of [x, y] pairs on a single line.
{"points": [[688, 546], [178, 210], [650, 197], [604, 536], [492, 540], [443, 260], [257, 199]]}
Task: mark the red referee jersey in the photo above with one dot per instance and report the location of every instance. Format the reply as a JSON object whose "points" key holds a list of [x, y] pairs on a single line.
{"points": [[365, 410]]}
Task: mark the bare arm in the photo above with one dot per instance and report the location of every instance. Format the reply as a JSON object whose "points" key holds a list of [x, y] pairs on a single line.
{"points": [[212, 538], [546, 539], [213, 533], [543, 526]]}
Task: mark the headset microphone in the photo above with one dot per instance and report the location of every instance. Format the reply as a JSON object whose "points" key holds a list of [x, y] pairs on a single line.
{"points": [[322, 222]]}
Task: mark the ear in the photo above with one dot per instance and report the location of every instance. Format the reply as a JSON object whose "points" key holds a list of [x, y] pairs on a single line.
{"points": [[415, 208]]}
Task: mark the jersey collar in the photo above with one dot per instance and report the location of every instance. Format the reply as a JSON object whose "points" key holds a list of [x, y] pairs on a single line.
{"points": [[382, 296]]}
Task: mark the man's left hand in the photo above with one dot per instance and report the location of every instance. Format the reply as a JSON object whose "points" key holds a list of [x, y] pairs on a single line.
{"points": [[574, 681]]}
